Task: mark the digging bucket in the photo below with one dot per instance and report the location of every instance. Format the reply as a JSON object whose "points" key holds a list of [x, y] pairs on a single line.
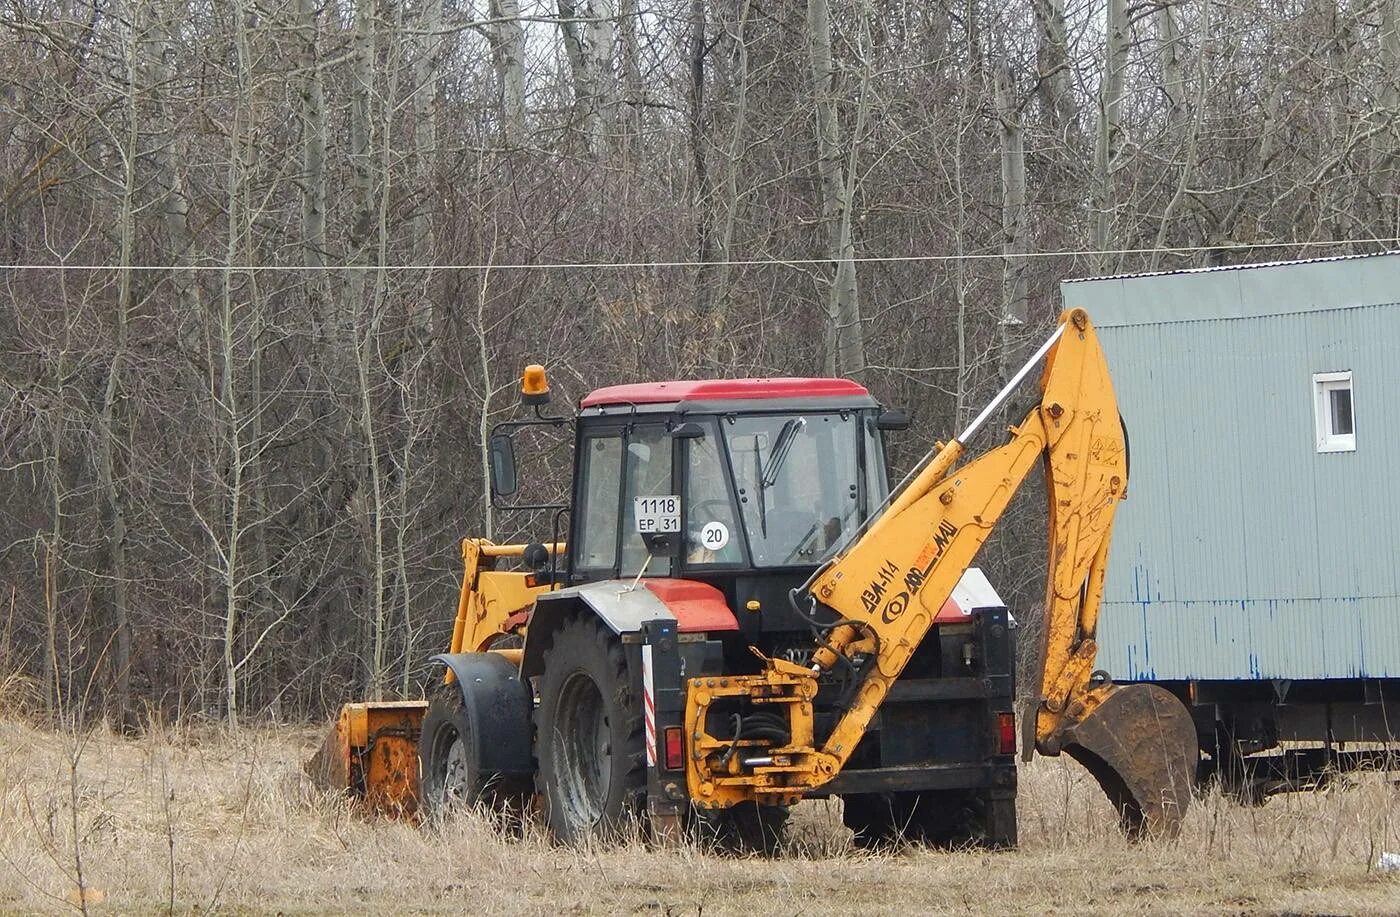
{"points": [[1140, 745]]}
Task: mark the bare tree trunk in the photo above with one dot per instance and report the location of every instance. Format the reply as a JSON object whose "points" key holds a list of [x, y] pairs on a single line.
{"points": [[364, 346], [961, 384], [313, 148], [113, 499], [1390, 58], [572, 37], [507, 49], [1052, 55], [488, 514], [361, 148], [1173, 70], [602, 43], [1388, 142], [846, 347], [586, 29], [1186, 120], [634, 93], [54, 548], [731, 172], [701, 198], [1110, 137], [1014, 293], [175, 207], [228, 395]]}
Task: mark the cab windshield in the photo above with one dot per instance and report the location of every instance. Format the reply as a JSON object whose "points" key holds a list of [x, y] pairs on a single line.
{"points": [[797, 477]]}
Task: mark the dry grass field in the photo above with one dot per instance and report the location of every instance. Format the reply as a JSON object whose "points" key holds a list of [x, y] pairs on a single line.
{"points": [[194, 820]]}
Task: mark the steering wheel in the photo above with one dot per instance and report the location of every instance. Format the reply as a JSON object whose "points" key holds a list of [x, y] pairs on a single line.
{"points": [[713, 515]]}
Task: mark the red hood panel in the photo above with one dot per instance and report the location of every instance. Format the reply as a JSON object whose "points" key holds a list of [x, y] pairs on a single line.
{"points": [[697, 606]]}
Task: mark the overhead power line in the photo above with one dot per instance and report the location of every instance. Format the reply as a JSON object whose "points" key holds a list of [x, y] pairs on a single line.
{"points": [[740, 262]]}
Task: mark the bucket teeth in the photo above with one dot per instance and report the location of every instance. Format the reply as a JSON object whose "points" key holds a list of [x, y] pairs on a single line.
{"points": [[1140, 745]]}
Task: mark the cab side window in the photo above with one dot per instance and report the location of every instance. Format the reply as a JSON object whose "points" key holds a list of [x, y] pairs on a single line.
{"points": [[648, 474], [602, 475]]}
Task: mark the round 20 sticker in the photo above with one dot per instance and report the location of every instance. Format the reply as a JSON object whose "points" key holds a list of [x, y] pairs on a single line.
{"points": [[714, 535]]}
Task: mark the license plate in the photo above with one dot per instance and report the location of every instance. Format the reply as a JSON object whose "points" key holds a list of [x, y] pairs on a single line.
{"points": [[661, 515]]}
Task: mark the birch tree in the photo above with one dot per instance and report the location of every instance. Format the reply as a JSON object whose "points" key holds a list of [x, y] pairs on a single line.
{"points": [[1110, 129], [845, 335]]}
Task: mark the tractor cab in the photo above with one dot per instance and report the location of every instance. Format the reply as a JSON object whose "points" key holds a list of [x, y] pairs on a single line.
{"points": [[722, 477], [744, 484]]}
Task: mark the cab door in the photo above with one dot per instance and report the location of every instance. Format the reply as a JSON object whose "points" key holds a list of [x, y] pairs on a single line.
{"points": [[617, 466]]}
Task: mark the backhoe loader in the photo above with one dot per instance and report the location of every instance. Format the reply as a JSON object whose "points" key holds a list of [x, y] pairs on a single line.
{"points": [[744, 615]]}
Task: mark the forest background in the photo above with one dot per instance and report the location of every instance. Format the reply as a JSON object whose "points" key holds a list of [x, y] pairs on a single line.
{"points": [[270, 269]]}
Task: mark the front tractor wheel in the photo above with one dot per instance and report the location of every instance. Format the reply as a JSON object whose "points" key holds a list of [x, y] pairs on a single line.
{"points": [[452, 779], [588, 738]]}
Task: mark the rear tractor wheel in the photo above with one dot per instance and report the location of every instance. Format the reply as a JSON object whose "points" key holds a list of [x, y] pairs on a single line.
{"points": [[588, 736]]}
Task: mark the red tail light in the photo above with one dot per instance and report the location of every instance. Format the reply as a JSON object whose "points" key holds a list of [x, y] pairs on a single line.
{"points": [[1006, 733], [674, 759]]}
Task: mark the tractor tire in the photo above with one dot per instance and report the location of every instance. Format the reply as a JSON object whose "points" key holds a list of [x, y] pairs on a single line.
{"points": [[451, 779], [748, 829], [588, 737]]}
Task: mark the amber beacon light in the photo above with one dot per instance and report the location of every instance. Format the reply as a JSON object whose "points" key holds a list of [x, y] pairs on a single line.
{"points": [[534, 385]]}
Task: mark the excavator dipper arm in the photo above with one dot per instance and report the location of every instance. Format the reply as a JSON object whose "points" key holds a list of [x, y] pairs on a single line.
{"points": [[887, 587]]}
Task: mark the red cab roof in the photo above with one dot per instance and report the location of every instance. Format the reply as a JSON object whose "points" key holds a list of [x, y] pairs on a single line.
{"points": [[724, 390]]}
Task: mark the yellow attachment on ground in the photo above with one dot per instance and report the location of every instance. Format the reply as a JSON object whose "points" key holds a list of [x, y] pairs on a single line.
{"points": [[373, 753]]}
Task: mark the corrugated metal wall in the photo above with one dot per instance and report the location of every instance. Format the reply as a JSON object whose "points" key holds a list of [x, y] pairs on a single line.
{"points": [[1242, 552]]}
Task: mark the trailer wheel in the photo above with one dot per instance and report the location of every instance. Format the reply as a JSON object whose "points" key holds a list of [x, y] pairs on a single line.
{"points": [[588, 740], [451, 778]]}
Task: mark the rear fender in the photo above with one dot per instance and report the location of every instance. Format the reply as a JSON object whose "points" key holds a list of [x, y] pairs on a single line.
{"points": [[498, 705]]}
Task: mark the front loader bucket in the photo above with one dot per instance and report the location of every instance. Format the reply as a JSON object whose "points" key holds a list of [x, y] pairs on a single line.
{"points": [[372, 753], [1140, 745]]}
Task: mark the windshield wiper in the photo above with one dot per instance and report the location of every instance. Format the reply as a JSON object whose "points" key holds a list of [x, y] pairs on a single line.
{"points": [[762, 500], [781, 448]]}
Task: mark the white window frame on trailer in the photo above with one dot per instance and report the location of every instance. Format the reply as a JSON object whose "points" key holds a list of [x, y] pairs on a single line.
{"points": [[1328, 440]]}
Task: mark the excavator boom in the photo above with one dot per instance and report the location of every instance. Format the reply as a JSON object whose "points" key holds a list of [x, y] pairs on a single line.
{"points": [[880, 596]]}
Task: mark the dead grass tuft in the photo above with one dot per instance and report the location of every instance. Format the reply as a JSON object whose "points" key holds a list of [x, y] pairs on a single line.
{"points": [[191, 817]]}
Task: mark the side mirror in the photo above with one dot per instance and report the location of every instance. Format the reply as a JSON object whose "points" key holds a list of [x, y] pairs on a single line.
{"points": [[501, 453], [892, 420]]}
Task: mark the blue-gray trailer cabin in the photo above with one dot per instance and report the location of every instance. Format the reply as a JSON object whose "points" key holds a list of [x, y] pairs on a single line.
{"points": [[1254, 559]]}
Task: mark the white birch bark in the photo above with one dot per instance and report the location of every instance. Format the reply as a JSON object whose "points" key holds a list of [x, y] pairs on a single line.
{"points": [[1110, 134], [508, 48], [1014, 291], [845, 348], [1056, 84]]}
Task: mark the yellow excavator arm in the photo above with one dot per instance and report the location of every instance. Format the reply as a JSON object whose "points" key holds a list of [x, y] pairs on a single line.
{"points": [[887, 587]]}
